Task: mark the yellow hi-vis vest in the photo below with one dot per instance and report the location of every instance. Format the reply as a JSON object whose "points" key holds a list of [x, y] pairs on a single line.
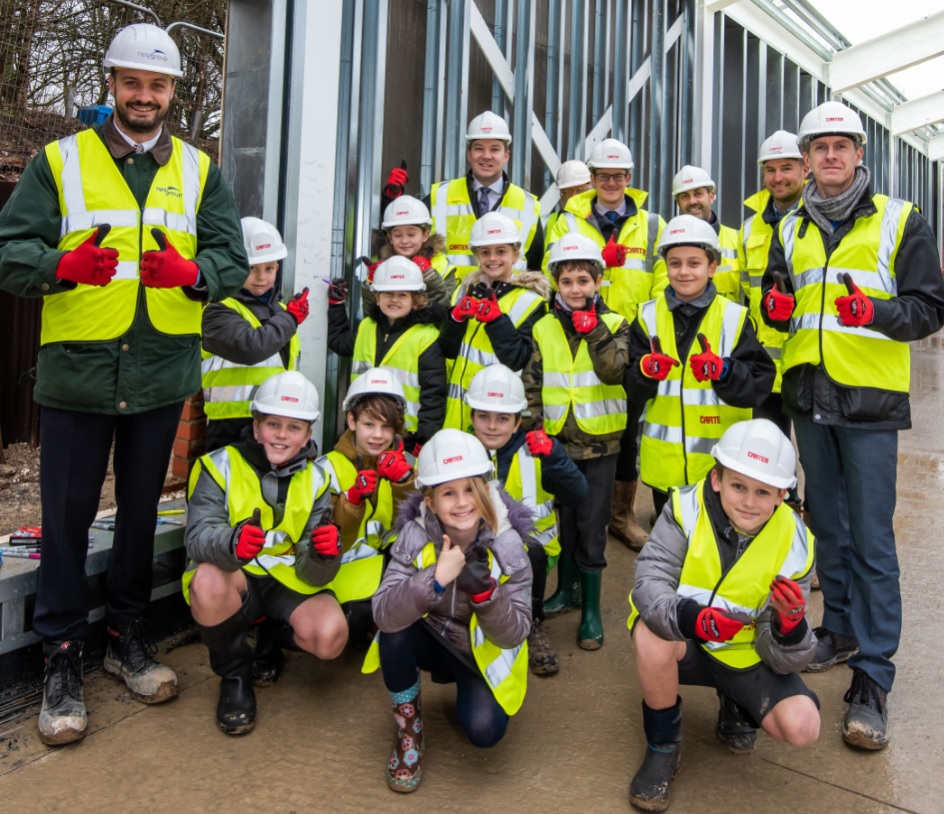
{"points": [[93, 192], [784, 546], [523, 483], [753, 246], [362, 560], [687, 417], [402, 360], [454, 215], [642, 275], [817, 337], [228, 386], [727, 277], [505, 671], [570, 382], [476, 350], [240, 483]]}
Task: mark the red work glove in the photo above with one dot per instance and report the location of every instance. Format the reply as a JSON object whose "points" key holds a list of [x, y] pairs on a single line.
{"points": [[337, 291], [778, 303], [298, 306], [614, 254], [251, 538], [656, 365], [371, 266], [88, 263], [393, 466], [856, 309], [466, 308], [539, 443], [167, 268], [396, 181], [326, 541], [719, 625], [416, 449], [586, 320], [365, 482], [489, 309], [421, 263], [788, 603], [706, 365]]}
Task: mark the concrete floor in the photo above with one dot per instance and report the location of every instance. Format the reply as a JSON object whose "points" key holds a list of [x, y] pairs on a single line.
{"points": [[324, 731]]}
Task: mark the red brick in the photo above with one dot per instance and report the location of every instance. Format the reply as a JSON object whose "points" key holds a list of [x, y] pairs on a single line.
{"points": [[180, 468], [191, 430], [193, 411], [181, 449]]}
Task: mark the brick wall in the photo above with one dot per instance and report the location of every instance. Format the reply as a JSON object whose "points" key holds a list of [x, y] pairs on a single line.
{"points": [[191, 437]]}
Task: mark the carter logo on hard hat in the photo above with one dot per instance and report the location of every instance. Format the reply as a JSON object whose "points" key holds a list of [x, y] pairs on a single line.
{"points": [[402, 212], [263, 246], [776, 149], [397, 276], [612, 155], [835, 118], [758, 457], [496, 395], [454, 459], [676, 231], [485, 128], [493, 232], [688, 181], [293, 399]]}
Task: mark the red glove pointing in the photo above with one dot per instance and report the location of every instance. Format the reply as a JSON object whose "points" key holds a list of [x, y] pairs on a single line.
{"points": [[396, 181], [251, 538], [706, 365], [364, 485], [326, 541], [466, 308], [371, 267], [421, 263], [489, 309], [614, 254], [856, 309], [539, 443], [788, 603], [88, 263], [719, 625], [778, 303], [585, 320], [167, 268], [393, 466], [656, 365], [298, 306]]}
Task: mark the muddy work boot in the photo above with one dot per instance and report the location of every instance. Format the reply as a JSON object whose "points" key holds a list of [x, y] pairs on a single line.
{"points": [[735, 730], [541, 656], [567, 596], [866, 723], [590, 632], [404, 769], [623, 524], [831, 648], [129, 657], [652, 783], [62, 718]]}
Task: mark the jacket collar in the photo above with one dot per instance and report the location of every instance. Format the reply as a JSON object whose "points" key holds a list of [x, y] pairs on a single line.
{"points": [[119, 148]]}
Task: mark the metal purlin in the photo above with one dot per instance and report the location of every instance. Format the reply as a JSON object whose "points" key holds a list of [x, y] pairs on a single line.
{"points": [[457, 83], [432, 96], [524, 93]]}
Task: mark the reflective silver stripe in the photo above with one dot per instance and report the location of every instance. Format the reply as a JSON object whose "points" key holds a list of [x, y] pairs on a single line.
{"points": [[438, 199], [528, 218], [755, 280], [127, 270], [500, 669], [555, 412], [887, 244], [689, 504], [325, 463], [699, 445], [647, 314], [674, 435], [213, 363], [170, 220], [361, 550], [830, 322], [635, 263], [571, 219], [76, 222], [554, 379], [529, 490], [732, 253], [796, 560], [730, 322], [692, 396], [597, 409], [191, 181], [72, 192], [476, 356], [462, 260], [521, 306], [773, 351], [232, 392], [701, 595], [456, 391], [867, 279], [747, 226], [813, 276], [220, 458], [274, 538], [459, 210], [653, 224], [788, 238], [514, 214], [478, 636], [270, 561], [358, 367]]}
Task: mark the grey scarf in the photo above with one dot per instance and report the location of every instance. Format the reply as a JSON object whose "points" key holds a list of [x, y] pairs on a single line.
{"points": [[838, 208]]}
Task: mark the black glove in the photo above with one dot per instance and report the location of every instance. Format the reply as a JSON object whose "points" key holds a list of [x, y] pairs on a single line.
{"points": [[475, 578], [480, 291]]}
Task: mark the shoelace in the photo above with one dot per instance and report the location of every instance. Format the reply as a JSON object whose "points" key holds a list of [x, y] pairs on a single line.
{"points": [[863, 691], [64, 681], [141, 649]]}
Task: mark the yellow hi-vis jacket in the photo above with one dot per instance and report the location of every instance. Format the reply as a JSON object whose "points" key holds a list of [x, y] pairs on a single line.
{"points": [[570, 383], [727, 277], [93, 192], [505, 671], [228, 386], [867, 253], [753, 245], [687, 417], [523, 483], [454, 215], [784, 546], [402, 360]]}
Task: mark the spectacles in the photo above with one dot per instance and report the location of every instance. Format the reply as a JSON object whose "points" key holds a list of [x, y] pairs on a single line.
{"points": [[616, 178]]}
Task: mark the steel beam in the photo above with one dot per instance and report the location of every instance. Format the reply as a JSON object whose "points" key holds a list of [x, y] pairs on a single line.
{"points": [[524, 93], [917, 113], [936, 149], [457, 86]]}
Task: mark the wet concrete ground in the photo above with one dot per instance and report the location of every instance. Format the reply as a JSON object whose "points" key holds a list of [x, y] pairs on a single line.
{"points": [[324, 731]]}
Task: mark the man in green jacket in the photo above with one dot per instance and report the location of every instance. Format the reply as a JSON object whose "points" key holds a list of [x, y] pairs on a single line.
{"points": [[125, 232]]}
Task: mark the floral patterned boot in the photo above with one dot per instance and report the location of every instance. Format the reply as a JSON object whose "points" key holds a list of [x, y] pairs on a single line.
{"points": [[404, 770]]}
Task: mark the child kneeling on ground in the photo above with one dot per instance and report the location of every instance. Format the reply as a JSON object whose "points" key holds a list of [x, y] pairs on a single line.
{"points": [[262, 545], [719, 601], [455, 601]]}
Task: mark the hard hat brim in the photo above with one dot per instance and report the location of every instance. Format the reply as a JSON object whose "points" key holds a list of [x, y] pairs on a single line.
{"points": [[120, 63], [736, 466], [490, 407]]}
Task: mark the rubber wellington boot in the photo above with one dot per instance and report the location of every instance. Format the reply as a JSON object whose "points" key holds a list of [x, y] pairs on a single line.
{"points": [[231, 659], [623, 524], [567, 596], [652, 783], [404, 769], [590, 633], [735, 730], [268, 660]]}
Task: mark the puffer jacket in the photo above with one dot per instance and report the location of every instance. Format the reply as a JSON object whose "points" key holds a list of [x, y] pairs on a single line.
{"points": [[227, 334], [406, 594], [440, 277]]}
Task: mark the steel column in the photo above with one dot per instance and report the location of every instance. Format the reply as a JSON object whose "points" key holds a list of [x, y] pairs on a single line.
{"points": [[457, 83], [524, 94]]}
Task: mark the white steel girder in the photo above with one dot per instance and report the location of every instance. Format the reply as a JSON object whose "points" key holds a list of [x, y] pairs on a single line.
{"points": [[917, 113], [936, 148]]}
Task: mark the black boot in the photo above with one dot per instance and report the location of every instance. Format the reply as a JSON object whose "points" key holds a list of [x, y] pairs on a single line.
{"points": [[268, 660], [649, 789], [735, 729], [231, 659]]}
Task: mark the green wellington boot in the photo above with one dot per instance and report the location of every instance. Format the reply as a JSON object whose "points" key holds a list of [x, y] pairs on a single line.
{"points": [[590, 633], [567, 596]]}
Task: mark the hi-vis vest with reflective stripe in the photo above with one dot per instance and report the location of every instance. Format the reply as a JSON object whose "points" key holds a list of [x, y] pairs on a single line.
{"points": [[753, 246], [362, 560], [687, 417], [505, 671], [454, 215], [570, 382], [402, 360], [93, 192], [228, 386], [867, 253], [240, 483], [784, 546], [524, 485], [476, 350], [727, 278]]}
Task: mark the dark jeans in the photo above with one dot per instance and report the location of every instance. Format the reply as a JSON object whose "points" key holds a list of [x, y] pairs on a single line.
{"points": [[659, 499], [771, 408], [417, 648], [626, 468], [222, 432], [851, 476], [538, 559], [583, 528], [73, 461]]}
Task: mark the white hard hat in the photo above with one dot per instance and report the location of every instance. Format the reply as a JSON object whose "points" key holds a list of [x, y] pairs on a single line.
{"points": [[398, 274], [262, 241], [572, 174], [287, 394], [758, 449], [146, 47], [610, 154], [375, 381], [687, 230], [449, 455], [496, 389], [574, 246], [488, 125], [781, 144], [406, 211], [830, 119], [690, 177], [494, 229]]}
